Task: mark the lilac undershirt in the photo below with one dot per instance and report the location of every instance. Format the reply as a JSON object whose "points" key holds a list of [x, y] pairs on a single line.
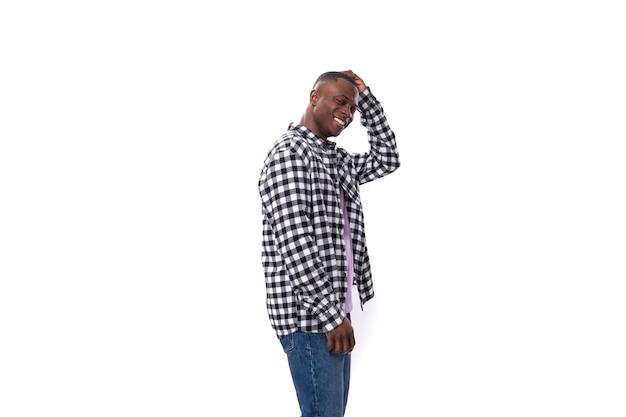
{"points": [[348, 242]]}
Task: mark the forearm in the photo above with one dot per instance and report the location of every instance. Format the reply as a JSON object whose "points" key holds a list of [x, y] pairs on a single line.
{"points": [[382, 157]]}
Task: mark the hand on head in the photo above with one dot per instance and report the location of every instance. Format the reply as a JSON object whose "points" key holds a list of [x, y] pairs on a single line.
{"points": [[359, 82]]}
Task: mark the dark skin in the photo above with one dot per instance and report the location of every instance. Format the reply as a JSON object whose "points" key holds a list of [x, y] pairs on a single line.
{"points": [[332, 105], [330, 110]]}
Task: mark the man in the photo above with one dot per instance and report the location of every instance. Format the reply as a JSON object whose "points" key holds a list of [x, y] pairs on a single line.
{"points": [[314, 239]]}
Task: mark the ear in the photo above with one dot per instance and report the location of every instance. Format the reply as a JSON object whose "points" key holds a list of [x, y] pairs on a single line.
{"points": [[313, 97]]}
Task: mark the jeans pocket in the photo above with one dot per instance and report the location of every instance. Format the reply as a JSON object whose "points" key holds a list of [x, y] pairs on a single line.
{"points": [[287, 343]]}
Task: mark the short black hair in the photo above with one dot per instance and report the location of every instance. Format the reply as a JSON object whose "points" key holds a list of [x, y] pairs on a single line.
{"points": [[334, 76]]}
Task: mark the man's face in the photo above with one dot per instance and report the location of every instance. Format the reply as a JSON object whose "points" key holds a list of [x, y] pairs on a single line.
{"points": [[334, 104]]}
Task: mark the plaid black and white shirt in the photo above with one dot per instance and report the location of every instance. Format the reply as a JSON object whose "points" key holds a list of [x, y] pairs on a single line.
{"points": [[303, 252]]}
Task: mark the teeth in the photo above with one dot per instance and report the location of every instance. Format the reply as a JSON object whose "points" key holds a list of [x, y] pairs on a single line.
{"points": [[341, 122]]}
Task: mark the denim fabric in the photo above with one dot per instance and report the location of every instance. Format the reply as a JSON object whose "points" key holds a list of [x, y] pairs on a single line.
{"points": [[321, 379]]}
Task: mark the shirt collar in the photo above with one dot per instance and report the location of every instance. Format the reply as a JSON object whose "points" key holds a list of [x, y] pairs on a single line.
{"points": [[311, 137]]}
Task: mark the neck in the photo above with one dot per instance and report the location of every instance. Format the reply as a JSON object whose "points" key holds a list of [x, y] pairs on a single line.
{"points": [[304, 121]]}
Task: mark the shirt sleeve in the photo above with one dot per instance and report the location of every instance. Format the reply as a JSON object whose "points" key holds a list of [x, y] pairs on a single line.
{"points": [[382, 158], [286, 194]]}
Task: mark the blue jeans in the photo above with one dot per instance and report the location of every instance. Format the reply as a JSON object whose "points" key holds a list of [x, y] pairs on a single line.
{"points": [[321, 379]]}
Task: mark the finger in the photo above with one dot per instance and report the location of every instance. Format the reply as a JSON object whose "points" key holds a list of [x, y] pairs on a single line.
{"points": [[335, 344], [341, 346], [348, 344], [330, 343], [338, 346]]}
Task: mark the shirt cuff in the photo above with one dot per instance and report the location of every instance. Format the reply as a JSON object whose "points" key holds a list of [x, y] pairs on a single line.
{"points": [[367, 101], [331, 318]]}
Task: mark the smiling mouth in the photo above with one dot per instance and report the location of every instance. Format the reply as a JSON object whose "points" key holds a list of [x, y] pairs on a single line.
{"points": [[340, 122]]}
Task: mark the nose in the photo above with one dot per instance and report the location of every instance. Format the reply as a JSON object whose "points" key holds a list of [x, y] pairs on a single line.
{"points": [[346, 112]]}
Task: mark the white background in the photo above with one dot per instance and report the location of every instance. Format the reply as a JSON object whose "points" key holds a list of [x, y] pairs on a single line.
{"points": [[132, 135]]}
